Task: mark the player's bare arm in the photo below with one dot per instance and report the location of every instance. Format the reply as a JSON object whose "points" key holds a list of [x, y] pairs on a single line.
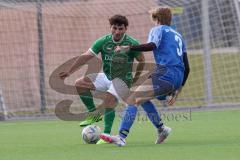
{"points": [[140, 66], [81, 60], [142, 47]]}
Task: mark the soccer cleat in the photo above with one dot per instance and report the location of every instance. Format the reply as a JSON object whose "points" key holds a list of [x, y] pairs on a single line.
{"points": [[101, 141], [117, 140], [91, 119], [163, 133]]}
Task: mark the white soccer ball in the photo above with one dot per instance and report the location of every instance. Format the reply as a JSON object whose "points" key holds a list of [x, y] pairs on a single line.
{"points": [[91, 134]]}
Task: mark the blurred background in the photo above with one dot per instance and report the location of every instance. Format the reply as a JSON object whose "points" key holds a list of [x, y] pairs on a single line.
{"points": [[37, 36]]}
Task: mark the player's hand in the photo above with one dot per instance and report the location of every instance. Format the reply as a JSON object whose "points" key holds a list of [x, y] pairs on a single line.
{"points": [[63, 75], [173, 97], [119, 49]]}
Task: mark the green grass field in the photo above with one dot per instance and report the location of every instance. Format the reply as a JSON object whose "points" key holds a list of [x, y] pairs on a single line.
{"points": [[209, 135]]}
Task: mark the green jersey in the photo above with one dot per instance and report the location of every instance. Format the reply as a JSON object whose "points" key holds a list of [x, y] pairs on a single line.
{"points": [[116, 65]]}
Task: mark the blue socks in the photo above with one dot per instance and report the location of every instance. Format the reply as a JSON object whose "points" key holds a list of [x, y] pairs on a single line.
{"points": [[127, 120], [130, 115], [152, 114]]}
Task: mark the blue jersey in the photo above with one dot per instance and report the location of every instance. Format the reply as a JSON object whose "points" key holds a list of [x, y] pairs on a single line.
{"points": [[170, 46]]}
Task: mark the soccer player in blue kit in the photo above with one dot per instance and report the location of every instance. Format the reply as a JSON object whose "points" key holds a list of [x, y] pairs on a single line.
{"points": [[170, 75]]}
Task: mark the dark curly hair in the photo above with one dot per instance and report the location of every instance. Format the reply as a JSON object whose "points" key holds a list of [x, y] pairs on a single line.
{"points": [[118, 20]]}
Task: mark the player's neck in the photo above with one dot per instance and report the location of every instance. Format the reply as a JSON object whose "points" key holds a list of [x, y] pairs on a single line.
{"points": [[118, 41], [157, 23]]}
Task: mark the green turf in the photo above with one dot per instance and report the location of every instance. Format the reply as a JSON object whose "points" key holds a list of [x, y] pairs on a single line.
{"points": [[209, 135]]}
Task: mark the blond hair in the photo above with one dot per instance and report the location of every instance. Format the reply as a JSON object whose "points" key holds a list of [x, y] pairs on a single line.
{"points": [[162, 15]]}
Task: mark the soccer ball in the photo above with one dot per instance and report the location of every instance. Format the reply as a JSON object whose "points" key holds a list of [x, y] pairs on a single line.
{"points": [[90, 134]]}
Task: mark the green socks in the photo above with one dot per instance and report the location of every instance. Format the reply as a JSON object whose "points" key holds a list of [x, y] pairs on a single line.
{"points": [[87, 99], [109, 116]]}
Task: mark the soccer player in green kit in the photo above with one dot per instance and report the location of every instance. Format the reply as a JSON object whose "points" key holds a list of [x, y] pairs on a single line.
{"points": [[115, 66]]}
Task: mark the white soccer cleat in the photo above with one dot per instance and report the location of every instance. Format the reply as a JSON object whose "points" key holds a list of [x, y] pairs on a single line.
{"points": [[163, 134], [117, 140]]}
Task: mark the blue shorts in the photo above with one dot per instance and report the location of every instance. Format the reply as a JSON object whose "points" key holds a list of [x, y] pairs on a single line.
{"points": [[166, 80], [161, 98]]}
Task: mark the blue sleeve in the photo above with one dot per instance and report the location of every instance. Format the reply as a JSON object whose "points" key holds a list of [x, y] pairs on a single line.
{"points": [[184, 47], [155, 36]]}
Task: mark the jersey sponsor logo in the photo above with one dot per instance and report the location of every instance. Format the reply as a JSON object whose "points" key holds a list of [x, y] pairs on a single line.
{"points": [[109, 47], [108, 58], [120, 58]]}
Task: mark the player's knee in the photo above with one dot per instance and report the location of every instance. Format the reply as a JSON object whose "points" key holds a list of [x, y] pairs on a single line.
{"points": [[131, 100], [110, 100], [83, 83], [79, 83], [140, 101], [81, 86]]}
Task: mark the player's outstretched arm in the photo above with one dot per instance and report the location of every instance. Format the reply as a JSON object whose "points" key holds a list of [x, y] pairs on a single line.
{"points": [[140, 66], [144, 47], [81, 60], [141, 47]]}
